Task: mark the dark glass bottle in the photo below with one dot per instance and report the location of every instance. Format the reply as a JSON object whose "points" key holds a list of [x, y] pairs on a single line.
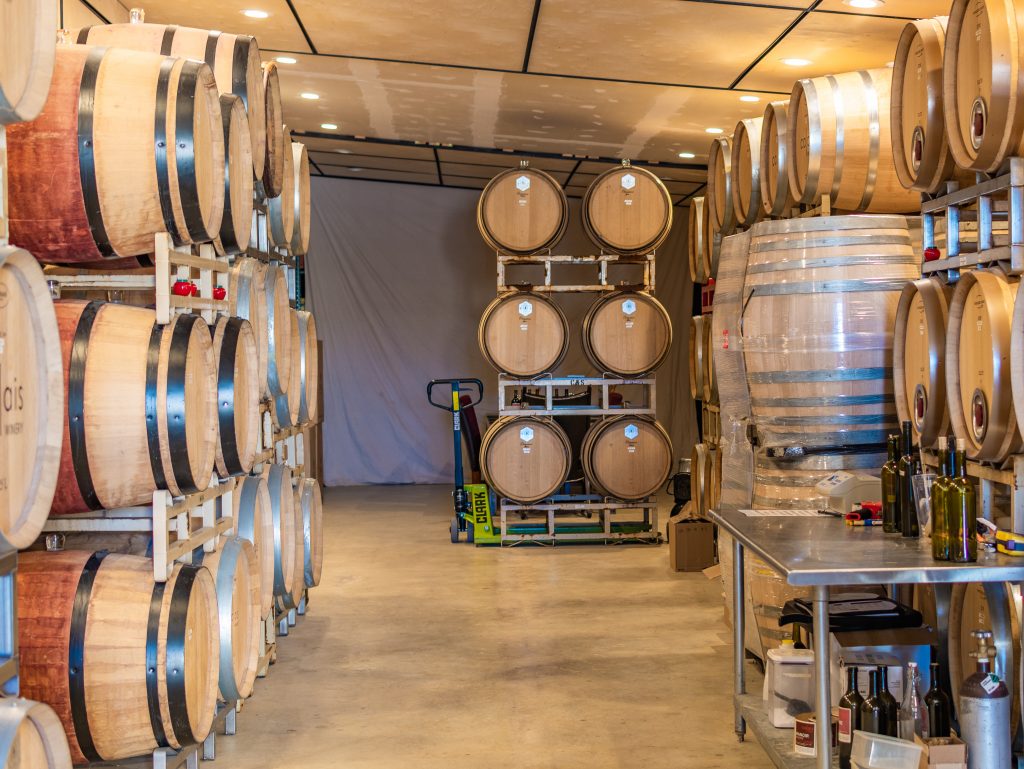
{"points": [[908, 511], [890, 489], [962, 509], [849, 717], [892, 707], [940, 521], [873, 715], [937, 702]]}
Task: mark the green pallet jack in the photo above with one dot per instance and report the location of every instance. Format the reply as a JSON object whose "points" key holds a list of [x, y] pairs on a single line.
{"points": [[472, 500]]}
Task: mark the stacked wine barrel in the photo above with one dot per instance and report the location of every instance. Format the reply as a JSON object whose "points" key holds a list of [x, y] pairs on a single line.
{"points": [[525, 334]]}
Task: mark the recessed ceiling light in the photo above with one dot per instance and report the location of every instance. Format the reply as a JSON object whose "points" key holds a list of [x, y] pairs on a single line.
{"points": [[286, 60], [255, 14], [687, 155], [310, 95], [750, 97], [329, 126], [713, 130], [864, 3], [796, 62]]}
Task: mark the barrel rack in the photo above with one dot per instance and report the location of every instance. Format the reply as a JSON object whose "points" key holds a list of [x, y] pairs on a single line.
{"points": [[549, 261]]}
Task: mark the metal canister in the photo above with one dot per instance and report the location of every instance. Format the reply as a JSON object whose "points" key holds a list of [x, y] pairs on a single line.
{"points": [[985, 712]]}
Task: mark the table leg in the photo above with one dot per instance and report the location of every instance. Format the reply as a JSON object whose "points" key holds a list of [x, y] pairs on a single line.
{"points": [[823, 705], [739, 635]]}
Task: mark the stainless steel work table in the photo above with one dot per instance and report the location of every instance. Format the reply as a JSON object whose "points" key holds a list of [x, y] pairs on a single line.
{"points": [[822, 551]]}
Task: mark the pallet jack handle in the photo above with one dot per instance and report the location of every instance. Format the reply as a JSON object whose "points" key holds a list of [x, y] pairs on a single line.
{"points": [[454, 407]]}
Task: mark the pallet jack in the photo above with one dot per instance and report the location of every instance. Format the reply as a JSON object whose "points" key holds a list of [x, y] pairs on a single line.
{"points": [[472, 501]]}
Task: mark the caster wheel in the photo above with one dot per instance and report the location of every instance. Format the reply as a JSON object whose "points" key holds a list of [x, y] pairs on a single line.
{"points": [[470, 533], [455, 530]]}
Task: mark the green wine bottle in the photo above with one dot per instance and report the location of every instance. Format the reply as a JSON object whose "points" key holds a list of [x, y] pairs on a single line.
{"points": [[908, 510], [940, 523], [890, 489], [962, 510], [873, 714]]}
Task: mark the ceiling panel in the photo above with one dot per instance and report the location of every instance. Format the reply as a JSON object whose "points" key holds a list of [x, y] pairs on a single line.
{"points": [[388, 176], [278, 31], [665, 41], [470, 33], [368, 161], [833, 43], [908, 9], [503, 161], [344, 146]]}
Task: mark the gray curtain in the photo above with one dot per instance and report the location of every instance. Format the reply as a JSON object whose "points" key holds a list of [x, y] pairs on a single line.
{"points": [[398, 277]]}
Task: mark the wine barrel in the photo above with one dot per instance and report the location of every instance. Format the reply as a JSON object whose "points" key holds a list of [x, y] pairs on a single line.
{"points": [[141, 406], [300, 229], [627, 211], [627, 333], [288, 548], [978, 341], [279, 330], [627, 457], [238, 395], [919, 145], [525, 458], [236, 225], [247, 299], [91, 627], [110, 110], [273, 165], [523, 333], [728, 363], [309, 368], [919, 359], [254, 521], [709, 376], [695, 241], [284, 407], [817, 327], [281, 209], [840, 145], [236, 575], [697, 350], [31, 736], [776, 195], [312, 506], [1017, 358], [522, 211], [745, 171], [699, 474], [719, 191], [26, 65], [788, 482], [32, 398], [234, 60], [712, 245]]}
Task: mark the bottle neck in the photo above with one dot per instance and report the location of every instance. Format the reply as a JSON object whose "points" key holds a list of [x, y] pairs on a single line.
{"points": [[873, 684], [851, 679], [893, 449], [960, 464], [945, 462], [935, 676], [908, 444]]}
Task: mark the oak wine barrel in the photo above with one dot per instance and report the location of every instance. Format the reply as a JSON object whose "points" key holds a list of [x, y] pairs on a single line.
{"points": [[523, 333], [978, 342], [840, 145], [710, 376], [273, 165], [1017, 357], [788, 482], [729, 366], [627, 333], [312, 505], [279, 330], [309, 368], [107, 189], [236, 224], [26, 61], [238, 395], [247, 299], [141, 406], [697, 350], [288, 547], [695, 241], [722, 212], [522, 211], [233, 59], [712, 242], [300, 229], [236, 576], [90, 628], [31, 398], [628, 457], [919, 359], [699, 475], [817, 327], [776, 194], [746, 172], [254, 522], [31, 736], [627, 210], [285, 407], [525, 458], [281, 209]]}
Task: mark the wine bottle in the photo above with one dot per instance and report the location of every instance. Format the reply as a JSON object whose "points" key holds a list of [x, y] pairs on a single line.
{"points": [[938, 705], [872, 709], [908, 510], [940, 522], [890, 489], [913, 713], [892, 708], [849, 717], [962, 510]]}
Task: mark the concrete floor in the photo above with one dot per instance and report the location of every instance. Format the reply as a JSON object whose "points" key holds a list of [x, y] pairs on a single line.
{"points": [[420, 653]]}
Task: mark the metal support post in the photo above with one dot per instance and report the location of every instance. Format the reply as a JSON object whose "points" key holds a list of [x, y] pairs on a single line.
{"points": [[739, 635], [823, 703]]}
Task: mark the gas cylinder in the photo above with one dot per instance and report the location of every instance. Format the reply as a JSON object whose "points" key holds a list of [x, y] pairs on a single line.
{"points": [[985, 711]]}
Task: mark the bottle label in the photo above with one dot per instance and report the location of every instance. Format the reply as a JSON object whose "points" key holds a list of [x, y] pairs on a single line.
{"points": [[990, 683], [845, 725]]}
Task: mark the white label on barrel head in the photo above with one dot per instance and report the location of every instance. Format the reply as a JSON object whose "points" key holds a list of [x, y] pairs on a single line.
{"points": [[526, 434], [628, 181], [526, 309], [628, 307], [631, 432], [523, 183]]}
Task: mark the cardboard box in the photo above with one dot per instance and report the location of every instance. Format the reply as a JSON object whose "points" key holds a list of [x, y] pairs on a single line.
{"points": [[691, 545], [949, 756], [870, 648]]}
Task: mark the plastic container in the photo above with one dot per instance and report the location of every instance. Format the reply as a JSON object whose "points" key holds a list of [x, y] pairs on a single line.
{"points": [[875, 751], [789, 687]]}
